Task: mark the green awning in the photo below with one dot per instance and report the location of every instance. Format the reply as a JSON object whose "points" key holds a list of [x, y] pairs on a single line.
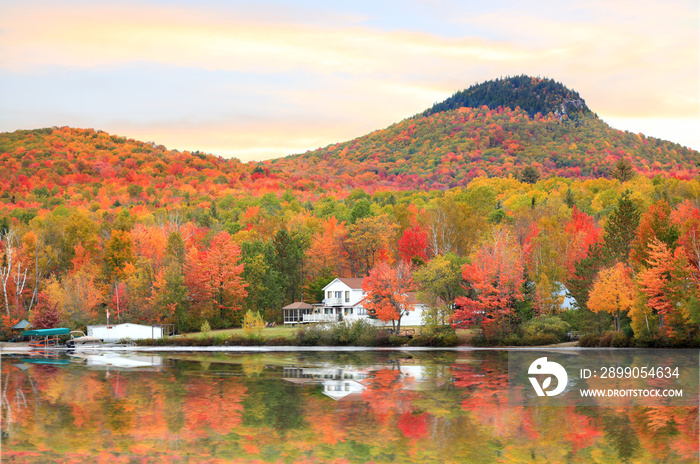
{"points": [[45, 332]]}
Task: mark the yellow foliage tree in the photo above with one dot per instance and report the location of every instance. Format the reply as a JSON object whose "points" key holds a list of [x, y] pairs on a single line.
{"points": [[548, 298], [613, 292], [253, 324]]}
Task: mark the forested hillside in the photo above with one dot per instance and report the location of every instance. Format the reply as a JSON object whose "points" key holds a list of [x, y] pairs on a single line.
{"points": [[492, 209], [449, 145]]}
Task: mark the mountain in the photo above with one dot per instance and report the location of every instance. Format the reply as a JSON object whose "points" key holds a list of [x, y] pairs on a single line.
{"points": [[532, 95], [446, 146], [497, 128]]}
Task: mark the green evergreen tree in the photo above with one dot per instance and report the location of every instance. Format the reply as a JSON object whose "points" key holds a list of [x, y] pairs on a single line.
{"points": [[289, 254], [569, 198], [586, 270], [623, 171], [579, 287], [175, 248], [621, 229], [171, 299], [530, 175]]}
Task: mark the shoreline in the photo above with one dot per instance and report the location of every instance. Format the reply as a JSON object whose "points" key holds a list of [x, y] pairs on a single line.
{"points": [[22, 348], [13, 348]]}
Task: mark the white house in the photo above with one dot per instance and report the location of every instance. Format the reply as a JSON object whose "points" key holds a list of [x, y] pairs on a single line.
{"points": [[116, 332], [344, 298], [343, 301]]}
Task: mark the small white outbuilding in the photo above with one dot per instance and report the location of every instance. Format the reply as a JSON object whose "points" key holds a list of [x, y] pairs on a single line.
{"points": [[116, 332]]}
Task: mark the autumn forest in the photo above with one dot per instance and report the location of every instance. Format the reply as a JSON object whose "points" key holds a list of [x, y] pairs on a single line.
{"points": [[503, 203]]}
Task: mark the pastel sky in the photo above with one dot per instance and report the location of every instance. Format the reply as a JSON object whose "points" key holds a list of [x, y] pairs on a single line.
{"points": [[259, 80]]}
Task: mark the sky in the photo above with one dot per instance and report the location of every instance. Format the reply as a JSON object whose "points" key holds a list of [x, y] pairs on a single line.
{"points": [[260, 80]]}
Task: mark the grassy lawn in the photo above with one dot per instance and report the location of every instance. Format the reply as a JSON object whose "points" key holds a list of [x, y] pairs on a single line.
{"points": [[267, 332]]}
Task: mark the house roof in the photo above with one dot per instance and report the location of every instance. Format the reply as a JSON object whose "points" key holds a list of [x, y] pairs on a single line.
{"points": [[298, 305], [352, 282], [24, 324]]}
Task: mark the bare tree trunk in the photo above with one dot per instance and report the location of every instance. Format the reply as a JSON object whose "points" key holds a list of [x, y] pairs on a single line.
{"points": [[35, 293], [20, 281], [116, 290], [6, 267]]}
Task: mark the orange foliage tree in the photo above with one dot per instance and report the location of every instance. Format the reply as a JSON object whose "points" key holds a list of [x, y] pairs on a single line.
{"points": [[214, 276], [325, 252], [666, 284], [387, 290], [613, 292], [653, 223]]}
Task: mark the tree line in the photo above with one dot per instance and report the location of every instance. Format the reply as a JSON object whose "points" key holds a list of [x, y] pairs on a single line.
{"points": [[498, 255]]}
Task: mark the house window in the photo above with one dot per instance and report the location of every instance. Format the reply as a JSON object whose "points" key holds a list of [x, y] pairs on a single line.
{"points": [[330, 294], [338, 295], [361, 311], [347, 296]]}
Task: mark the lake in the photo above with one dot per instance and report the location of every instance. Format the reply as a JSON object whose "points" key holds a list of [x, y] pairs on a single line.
{"points": [[442, 406]]}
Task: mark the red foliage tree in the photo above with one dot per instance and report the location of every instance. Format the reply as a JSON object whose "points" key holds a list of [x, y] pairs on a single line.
{"points": [[45, 315], [583, 232], [413, 244], [496, 278], [687, 218]]}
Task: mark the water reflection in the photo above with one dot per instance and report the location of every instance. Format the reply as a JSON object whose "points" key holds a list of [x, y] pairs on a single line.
{"points": [[312, 407]]}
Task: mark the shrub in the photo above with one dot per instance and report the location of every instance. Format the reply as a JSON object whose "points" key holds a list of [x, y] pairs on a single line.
{"points": [[358, 333], [279, 341], [542, 325], [607, 339], [540, 339], [440, 336], [308, 335], [237, 340], [514, 339]]}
